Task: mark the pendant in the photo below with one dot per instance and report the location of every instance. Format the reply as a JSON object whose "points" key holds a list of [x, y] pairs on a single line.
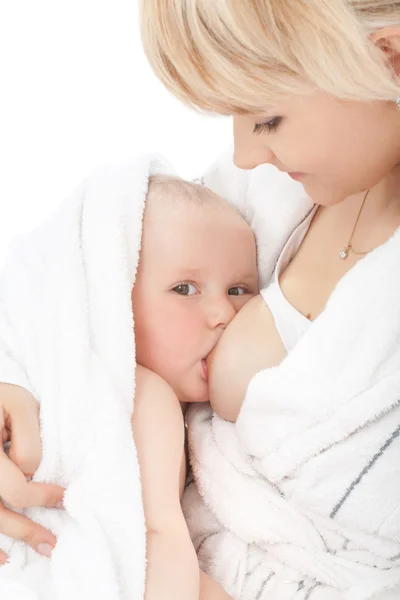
{"points": [[344, 253]]}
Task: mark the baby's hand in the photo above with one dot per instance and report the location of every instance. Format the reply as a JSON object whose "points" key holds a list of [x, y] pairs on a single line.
{"points": [[19, 429]]}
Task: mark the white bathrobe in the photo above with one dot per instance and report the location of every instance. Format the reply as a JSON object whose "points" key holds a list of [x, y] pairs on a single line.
{"points": [[300, 499], [316, 437], [66, 334]]}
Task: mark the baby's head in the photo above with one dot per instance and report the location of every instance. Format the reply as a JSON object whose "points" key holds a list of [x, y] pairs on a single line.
{"points": [[197, 269]]}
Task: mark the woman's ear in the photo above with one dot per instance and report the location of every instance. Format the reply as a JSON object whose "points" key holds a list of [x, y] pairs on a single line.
{"points": [[387, 40]]}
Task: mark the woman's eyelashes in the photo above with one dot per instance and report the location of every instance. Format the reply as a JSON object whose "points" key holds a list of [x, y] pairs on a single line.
{"points": [[269, 126]]}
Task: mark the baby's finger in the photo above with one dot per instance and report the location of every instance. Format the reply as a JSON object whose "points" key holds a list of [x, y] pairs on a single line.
{"points": [[17, 492], [21, 528], [3, 558]]}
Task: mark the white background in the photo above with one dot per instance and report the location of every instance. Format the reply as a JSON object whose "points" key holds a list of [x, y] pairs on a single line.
{"points": [[76, 92]]}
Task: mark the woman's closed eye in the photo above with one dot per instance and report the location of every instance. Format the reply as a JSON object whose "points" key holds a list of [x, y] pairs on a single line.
{"points": [[185, 289], [271, 125]]}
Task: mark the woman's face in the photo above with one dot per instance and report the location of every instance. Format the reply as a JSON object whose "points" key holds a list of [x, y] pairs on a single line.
{"points": [[335, 148]]}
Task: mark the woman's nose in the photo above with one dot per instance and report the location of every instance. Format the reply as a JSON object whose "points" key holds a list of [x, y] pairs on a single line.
{"points": [[220, 312], [250, 150]]}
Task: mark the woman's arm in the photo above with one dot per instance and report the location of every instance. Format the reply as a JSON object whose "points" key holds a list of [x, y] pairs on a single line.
{"points": [[19, 427], [158, 428]]}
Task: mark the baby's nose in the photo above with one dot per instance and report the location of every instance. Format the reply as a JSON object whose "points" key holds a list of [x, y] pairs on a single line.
{"points": [[221, 313]]}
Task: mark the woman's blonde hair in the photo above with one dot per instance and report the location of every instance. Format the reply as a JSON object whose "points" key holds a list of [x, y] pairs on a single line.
{"points": [[237, 56]]}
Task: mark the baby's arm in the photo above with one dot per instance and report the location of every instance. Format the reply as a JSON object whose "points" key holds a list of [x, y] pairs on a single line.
{"points": [[211, 590], [158, 428], [249, 344]]}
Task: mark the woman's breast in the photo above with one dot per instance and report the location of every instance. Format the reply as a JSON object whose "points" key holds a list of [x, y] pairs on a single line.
{"points": [[249, 344]]}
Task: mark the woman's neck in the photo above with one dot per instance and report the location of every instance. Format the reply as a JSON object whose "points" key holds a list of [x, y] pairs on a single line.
{"points": [[383, 201], [379, 217], [388, 192]]}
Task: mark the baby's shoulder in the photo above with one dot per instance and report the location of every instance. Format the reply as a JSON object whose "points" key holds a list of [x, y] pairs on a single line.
{"points": [[154, 395], [148, 381]]}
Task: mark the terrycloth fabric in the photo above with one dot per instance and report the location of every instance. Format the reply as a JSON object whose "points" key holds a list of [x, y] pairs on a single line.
{"points": [[300, 499], [66, 334]]}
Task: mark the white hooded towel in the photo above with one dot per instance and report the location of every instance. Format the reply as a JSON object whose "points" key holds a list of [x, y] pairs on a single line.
{"points": [[66, 334]]}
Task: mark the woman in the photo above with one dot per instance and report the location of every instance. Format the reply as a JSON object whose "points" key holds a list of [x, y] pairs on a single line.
{"points": [[313, 88]]}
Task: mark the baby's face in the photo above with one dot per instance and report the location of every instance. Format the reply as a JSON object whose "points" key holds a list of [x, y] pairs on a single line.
{"points": [[197, 269]]}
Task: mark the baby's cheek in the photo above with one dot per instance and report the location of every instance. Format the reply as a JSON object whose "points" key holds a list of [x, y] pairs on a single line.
{"points": [[179, 341]]}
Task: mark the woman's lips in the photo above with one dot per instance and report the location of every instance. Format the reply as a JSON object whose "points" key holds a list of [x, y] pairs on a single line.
{"points": [[204, 369]]}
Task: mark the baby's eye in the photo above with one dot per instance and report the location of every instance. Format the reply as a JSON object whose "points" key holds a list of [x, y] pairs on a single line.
{"points": [[185, 289], [236, 291]]}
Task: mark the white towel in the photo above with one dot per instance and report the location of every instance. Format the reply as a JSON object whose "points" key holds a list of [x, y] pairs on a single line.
{"points": [[301, 498], [66, 334]]}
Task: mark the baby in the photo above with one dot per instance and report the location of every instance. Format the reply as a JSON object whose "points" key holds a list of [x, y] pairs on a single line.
{"points": [[197, 269]]}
